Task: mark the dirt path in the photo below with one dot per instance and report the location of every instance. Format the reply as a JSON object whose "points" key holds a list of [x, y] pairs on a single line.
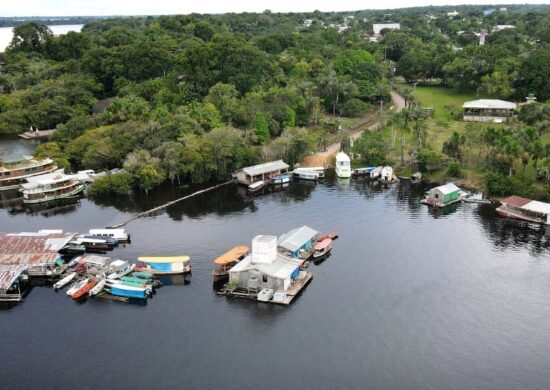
{"points": [[322, 159]]}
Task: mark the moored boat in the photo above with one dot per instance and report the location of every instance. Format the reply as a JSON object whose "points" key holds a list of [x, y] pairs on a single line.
{"points": [[386, 174], [123, 290], [332, 235], [84, 290], [322, 248], [416, 178], [119, 268], [77, 286], [226, 261], [51, 186], [171, 265], [306, 175], [63, 282], [360, 172], [280, 179], [343, 165], [526, 210], [375, 173], [256, 187], [16, 172], [98, 287], [118, 234]]}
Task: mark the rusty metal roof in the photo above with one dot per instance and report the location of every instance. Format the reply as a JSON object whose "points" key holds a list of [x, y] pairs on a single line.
{"points": [[515, 201], [8, 274], [32, 248]]}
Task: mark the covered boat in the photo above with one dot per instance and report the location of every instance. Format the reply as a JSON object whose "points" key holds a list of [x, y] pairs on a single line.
{"points": [[386, 174], [118, 234], [51, 186], [172, 265], [306, 175], [280, 179], [375, 173], [226, 261], [119, 268], [322, 248], [343, 165]]}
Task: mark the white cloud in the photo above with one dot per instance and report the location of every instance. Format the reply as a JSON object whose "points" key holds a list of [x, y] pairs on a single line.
{"points": [[155, 7]]}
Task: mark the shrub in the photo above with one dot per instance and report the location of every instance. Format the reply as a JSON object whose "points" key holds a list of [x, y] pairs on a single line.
{"points": [[118, 184], [454, 169]]}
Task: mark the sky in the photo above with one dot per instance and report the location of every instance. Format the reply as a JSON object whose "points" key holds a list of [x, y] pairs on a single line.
{"points": [[164, 7]]}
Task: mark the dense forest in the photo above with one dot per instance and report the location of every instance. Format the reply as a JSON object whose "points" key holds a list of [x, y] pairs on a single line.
{"points": [[194, 97]]}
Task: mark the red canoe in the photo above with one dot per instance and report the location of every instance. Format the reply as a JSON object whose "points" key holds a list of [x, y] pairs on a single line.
{"points": [[84, 290]]}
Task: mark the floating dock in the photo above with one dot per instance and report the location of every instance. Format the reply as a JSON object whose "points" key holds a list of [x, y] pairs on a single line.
{"points": [[37, 134]]}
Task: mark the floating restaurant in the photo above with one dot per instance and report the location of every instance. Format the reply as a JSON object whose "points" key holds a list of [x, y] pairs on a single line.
{"points": [[15, 172], [262, 172], [29, 254]]}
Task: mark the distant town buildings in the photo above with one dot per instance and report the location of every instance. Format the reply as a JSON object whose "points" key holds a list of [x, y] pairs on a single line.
{"points": [[378, 27], [452, 14], [500, 27], [308, 23]]}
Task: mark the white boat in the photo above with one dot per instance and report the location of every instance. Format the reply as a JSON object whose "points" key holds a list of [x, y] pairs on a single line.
{"points": [[256, 187], [280, 179], [51, 186], [386, 175], [375, 173], [118, 234], [77, 286], [343, 165], [306, 175], [63, 282], [98, 287], [119, 268], [320, 171]]}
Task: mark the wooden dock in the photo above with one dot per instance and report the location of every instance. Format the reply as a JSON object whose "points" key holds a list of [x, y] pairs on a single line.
{"points": [[37, 134]]}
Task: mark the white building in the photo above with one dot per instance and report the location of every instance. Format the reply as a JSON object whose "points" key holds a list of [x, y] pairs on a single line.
{"points": [[377, 27], [488, 110], [500, 27], [308, 23], [452, 14]]}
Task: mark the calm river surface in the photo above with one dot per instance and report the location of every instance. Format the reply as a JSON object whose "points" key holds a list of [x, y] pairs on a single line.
{"points": [[409, 299]]}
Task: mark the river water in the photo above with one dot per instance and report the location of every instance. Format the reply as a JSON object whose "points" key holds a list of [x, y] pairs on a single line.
{"points": [[410, 298]]}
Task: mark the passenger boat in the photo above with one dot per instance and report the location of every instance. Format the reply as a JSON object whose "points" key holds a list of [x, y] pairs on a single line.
{"points": [[375, 173], [117, 234], [416, 178], [306, 175], [77, 286], [332, 235], [72, 249], [343, 165], [16, 172], [122, 290], [173, 265], [320, 171], [63, 282], [322, 248], [84, 290], [280, 179], [94, 244], [526, 210], [386, 174], [98, 287], [256, 187], [49, 187], [226, 261], [119, 268], [359, 172]]}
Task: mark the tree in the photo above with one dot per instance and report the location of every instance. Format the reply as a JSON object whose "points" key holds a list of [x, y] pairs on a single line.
{"points": [[224, 98], [452, 147], [149, 176], [533, 75], [171, 155], [29, 36], [261, 128], [372, 149], [144, 168]]}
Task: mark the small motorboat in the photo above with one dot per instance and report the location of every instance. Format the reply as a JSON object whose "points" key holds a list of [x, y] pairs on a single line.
{"points": [[416, 178], [280, 179], [84, 290], [322, 248], [256, 187], [77, 286], [63, 282], [123, 290], [375, 173], [98, 287], [360, 172], [306, 175], [119, 268], [332, 235], [386, 174]]}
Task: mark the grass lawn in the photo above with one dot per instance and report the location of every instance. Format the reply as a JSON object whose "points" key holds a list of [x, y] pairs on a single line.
{"points": [[439, 97]]}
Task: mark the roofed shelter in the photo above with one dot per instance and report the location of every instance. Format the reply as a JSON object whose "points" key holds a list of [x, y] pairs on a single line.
{"points": [[297, 240], [266, 171], [488, 110], [443, 195]]}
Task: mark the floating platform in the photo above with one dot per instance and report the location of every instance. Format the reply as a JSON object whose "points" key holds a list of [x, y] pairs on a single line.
{"points": [[36, 134], [289, 295]]}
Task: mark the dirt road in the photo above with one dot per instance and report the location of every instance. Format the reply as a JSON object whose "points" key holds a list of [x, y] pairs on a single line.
{"points": [[322, 159]]}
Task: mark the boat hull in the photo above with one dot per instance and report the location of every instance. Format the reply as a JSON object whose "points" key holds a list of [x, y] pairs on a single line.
{"points": [[78, 189]]}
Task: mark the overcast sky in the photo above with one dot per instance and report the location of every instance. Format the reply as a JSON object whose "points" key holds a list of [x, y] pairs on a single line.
{"points": [[156, 7]]}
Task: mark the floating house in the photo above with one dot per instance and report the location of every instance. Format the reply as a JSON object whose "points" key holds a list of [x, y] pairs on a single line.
{"points": [[523, 209], [24, 254], [443, 195], [488, 110], [262, 172], [266, 275], [15, 172], [298, 242]]}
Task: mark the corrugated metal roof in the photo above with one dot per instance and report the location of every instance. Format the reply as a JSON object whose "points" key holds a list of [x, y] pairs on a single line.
{"points": [[280, 268], [537, 207], [8, 275], [266, 168], [296, 238], [32, 248], [447, 188], [490, 104], [515, 201]]}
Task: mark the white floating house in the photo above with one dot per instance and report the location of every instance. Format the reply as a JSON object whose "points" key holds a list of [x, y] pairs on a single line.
{"points": [[488, 110], [263, 172]]}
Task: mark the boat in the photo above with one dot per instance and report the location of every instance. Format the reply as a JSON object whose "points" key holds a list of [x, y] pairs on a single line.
{"points": [[527, 210], [343, 165], [16, 172], [119, 268], [143, 275], [63, 282], [72, 249], [118, 234], [84, 290], [110, 241], [416, 178], [280, 179], [375, 173], [386, 174], [93, 244], [477, 199], [320, 171], [51, 186], [332, 235], [77, 286], [359, 172], [171, 265], [98, 287], [322, 248], [306, 175], [74, 262], [123, 290], [226, 261], [256, 187]]}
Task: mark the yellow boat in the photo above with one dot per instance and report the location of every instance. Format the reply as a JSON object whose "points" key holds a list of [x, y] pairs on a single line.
{"points": [[170, 265], [226, 261]]}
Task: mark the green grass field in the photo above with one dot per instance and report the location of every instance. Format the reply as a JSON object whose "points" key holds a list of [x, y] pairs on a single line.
{"points": [[439, 97]]}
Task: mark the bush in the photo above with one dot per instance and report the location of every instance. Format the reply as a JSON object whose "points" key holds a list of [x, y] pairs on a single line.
{"points": [[453, 170], [353, 107], [118, 184]]}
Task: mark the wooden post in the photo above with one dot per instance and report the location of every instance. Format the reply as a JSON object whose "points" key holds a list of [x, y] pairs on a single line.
{"points": [[402, 148]]}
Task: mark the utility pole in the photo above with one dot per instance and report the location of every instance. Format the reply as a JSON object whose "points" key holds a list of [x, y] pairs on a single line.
{"points": [[402, 149]]}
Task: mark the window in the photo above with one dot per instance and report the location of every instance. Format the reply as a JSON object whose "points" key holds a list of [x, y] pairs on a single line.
{"points": [[264, 277], [437, 196]]}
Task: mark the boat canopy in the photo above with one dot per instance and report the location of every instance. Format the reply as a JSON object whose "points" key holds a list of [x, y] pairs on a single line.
{"points": [[321, 245], [232, 255], [170, 259]]}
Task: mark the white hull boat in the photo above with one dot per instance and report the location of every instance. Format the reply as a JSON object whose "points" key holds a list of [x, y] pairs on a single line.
{"points": [[386, 175], [77, 286], [63, 282], [98, 287], [343, 165]]}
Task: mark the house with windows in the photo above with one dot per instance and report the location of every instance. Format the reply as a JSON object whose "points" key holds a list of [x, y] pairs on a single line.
{"points": [[488, 110]]}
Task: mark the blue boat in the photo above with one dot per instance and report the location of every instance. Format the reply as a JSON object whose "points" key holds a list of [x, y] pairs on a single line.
{"points": [[365, 171], [122, 290]]}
